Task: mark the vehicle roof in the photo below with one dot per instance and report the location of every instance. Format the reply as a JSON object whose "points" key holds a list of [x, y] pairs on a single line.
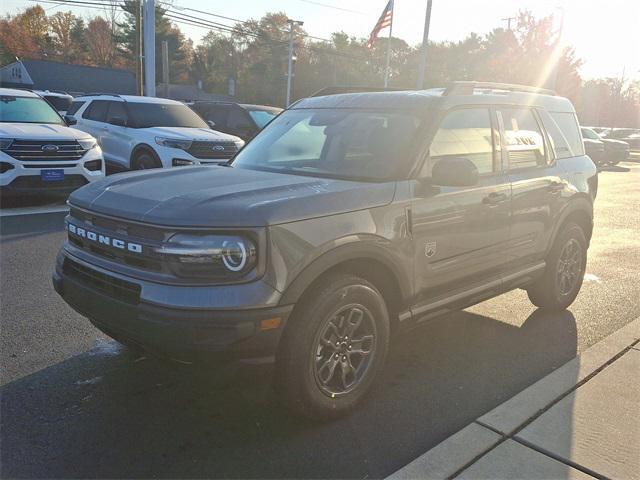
{"points": [[266, 108], [14, 92], [50, 93], [417, 100], [129, 98]]}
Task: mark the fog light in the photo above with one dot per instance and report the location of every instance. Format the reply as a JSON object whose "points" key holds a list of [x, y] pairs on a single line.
{"points": [[181, 162], [5, 167], [93, 165]]}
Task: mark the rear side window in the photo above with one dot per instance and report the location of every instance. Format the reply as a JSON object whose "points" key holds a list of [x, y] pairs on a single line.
{"points": [[97, 111], [75, 106], [568, 124], [464, 133], [117, 110], [523, 138]]}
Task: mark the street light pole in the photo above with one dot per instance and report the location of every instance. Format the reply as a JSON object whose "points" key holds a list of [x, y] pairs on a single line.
{"points": [[292, 24], [425, 41], [149, 32]]}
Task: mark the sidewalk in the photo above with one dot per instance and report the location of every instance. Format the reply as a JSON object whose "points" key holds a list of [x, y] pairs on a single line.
{"points": [[579, 422]]}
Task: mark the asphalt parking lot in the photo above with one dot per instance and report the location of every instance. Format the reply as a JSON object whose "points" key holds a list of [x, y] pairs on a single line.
{"points": [[74, 404]]}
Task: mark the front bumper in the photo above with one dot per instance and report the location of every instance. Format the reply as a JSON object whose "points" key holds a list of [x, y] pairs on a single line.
{"points": [[171, 331], [24, 177]]}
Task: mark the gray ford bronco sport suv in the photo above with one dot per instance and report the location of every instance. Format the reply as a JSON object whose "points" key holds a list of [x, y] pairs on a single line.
{"points": [[349, 218]]}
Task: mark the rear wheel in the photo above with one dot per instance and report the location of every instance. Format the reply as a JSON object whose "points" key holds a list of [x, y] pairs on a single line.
{"points": [[144, 160], [562, 279], [333, 347]]}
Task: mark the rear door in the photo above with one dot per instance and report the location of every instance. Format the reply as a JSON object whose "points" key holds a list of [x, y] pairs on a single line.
{"points": [[535, 179], [460, 233], [116, 139]]}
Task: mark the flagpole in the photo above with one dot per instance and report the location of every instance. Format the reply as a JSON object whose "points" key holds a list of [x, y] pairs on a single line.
{"points": [[386, 70]]}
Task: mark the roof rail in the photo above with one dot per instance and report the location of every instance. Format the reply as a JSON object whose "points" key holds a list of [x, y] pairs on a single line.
{"points": [[338, 90], [468, 88], [98, 94]]}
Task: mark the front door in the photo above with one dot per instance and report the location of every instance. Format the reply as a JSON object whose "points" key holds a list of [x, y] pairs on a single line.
{"points": [[116, 138], [460, 232]]}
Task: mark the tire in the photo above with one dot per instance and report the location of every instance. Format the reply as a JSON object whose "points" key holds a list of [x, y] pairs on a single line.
{"points": [[309, 369], [144, 160], [566, 264]]}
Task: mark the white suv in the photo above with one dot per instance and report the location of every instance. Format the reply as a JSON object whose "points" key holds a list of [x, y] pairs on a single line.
{"points": [[146, 132], [39, 153]]}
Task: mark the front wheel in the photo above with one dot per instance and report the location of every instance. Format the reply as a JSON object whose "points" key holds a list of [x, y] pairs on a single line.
{"points": [[333, 348], [566, 264], [145, 160]]}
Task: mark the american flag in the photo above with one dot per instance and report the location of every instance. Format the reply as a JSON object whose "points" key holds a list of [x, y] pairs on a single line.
{"points": [[384, 21]]}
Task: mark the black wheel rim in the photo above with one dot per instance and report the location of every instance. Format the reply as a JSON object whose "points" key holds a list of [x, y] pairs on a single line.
{"points": [[344, 349], [569, 267]]}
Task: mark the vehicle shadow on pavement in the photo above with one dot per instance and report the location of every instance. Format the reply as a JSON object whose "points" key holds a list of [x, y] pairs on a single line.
{"points": [[106, 413], [614, 168]]}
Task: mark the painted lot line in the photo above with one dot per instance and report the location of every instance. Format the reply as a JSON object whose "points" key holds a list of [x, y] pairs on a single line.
{"points": [[37, 210]]}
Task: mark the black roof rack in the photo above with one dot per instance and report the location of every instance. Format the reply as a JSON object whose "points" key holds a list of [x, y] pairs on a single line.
{"points": [[468, 88], [338, 90], [98, 94]]}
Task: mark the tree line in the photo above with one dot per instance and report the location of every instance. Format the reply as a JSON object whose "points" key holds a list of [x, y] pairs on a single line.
{"points": [[251, 57]]}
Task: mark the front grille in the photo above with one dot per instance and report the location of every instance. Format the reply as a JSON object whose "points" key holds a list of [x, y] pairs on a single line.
{"points": [[122, 290], [32, 150], [34, 181], [213, 150]]}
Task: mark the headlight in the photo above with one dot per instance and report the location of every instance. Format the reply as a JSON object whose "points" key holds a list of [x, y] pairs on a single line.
{"points": [[174, 143], [210, 256], [5, 143], [88, 143]]}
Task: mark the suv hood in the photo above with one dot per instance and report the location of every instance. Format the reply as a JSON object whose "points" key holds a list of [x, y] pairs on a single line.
{"points": [[200, 134], [225, 197], [40, 131]]}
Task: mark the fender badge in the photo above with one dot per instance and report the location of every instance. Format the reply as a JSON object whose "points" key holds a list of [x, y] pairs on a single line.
{"points": [[430, 249]]}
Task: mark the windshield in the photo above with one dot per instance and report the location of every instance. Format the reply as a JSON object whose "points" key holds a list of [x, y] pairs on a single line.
{"points": [[262, 117], [146, 115], [27, 110], [348, 144], [587, 133]]}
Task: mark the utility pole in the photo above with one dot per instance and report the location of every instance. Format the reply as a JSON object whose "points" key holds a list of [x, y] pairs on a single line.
{"points": [[149, 48], [292, 24], [165, 67], [425, 42], [508, 20]]}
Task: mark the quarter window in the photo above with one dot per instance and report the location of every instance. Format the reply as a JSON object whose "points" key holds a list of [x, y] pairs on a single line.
{"points": [[464, 133], [568, 124], [97, 111], [523, 138]]}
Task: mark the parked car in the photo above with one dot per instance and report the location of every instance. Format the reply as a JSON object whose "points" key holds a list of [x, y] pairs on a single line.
{"points": [[629, 135], [39, 153], [603, 150], [138, 133], [239, 119], [349, 218], [61, 101]]}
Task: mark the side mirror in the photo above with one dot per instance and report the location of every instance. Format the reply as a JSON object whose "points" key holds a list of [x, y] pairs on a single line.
{"points": [[118, 121], [454, 172], [211, 123], [70, 120]]}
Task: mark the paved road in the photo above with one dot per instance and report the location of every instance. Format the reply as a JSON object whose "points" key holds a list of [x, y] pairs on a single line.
{"points": [[76, 405]]}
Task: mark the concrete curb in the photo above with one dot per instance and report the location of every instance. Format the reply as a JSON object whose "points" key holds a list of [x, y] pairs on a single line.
{"points": [[462, 449]]}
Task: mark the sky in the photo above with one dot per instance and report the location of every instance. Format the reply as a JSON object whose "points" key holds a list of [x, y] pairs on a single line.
{"points": [[605, 34]]}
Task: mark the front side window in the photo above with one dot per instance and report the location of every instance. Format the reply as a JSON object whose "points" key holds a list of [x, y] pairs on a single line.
{"points": [[97, 111], [464, 133], [117, 110], [523, 138], [349, 144], [146, 115], [27, 110], [568, 124]]}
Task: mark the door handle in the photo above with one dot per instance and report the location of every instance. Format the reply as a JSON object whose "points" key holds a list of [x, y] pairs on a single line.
{"points": [[494, 198], [555, 187]]}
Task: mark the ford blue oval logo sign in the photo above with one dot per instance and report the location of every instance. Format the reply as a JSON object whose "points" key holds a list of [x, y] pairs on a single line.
{"points": [[217, 148], [49, 148]]}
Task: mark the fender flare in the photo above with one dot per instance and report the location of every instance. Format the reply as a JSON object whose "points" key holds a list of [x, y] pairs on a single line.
{"points": [[356, 250], [581, 204]]}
